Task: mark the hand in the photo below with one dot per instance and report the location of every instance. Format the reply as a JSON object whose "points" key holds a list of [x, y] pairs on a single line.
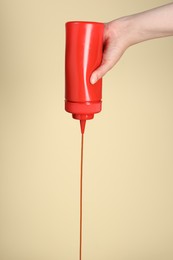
{"points": [[126, 31], [114, 46]]}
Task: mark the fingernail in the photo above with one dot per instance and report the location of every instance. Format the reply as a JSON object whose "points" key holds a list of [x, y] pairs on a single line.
{"points": [[93, 79]]}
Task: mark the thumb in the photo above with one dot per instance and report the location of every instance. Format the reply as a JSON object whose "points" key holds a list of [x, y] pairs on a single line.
{"points": [[109, 60], [99, 72]]}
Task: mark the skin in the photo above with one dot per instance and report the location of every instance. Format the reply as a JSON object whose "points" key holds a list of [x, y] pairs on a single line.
{"points": [[126, 31]]}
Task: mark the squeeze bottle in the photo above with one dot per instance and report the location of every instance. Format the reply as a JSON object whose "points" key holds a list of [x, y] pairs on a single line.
{"points": [[84, 47]]}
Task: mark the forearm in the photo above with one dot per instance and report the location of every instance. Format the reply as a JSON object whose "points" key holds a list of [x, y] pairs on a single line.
{"points": [[154, 23]]}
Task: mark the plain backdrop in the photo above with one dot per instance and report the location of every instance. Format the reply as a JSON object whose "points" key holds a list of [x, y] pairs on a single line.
{"points": [[128, 153]]}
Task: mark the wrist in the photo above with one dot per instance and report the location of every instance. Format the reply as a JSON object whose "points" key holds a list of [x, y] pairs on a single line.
{"points": [[124, 30]]}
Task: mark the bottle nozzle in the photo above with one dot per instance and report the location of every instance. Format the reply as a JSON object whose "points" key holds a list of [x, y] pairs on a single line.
{"points": [[83, 118], [82, 126]]}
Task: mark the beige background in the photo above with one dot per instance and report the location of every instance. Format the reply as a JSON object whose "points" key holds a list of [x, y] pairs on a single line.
{"points": [[128, 168]]}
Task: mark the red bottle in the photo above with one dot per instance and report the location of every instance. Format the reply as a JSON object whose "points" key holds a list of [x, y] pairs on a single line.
{"points": [[84, 46]]}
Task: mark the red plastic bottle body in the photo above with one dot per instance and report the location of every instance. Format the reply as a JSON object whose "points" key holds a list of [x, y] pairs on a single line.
{"points": [[84, 46]]}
